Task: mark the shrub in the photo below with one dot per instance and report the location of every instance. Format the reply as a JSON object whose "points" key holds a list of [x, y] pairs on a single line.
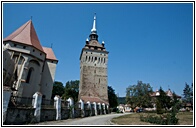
{"points": [[168, 119]]}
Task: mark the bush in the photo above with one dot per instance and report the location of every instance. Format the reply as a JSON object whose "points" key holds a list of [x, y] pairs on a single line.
{"points": [[168, 119]]}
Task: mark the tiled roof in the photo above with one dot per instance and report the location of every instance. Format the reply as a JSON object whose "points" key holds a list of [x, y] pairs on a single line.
{"points": [[94, 43], [93, 99], [49, 53], [26, 34]]}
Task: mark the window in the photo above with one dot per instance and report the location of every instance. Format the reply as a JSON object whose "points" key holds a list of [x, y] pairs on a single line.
{"points": [[33, 50], [24, 47], [40, 54], [29, 75]]}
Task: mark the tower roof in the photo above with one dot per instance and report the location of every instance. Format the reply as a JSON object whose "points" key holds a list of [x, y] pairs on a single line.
{"points": [[49, 53], [26, 34]]}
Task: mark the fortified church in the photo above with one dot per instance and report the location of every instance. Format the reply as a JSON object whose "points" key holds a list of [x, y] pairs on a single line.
{"points": [[34, 65]]}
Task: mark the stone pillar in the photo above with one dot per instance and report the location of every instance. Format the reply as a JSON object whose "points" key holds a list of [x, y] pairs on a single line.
{"points": [[95, 108], [82, 108], [57, 100], [99, 104], [104, 112], [71, 107], [37, 105], [6, 99], [89, 106], [108, 109]]}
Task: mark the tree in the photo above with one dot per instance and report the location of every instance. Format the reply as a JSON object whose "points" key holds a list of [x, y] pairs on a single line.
{"points": [[139, 95], [113, 100], [58, 89], [163, 101], [188, 93], [71, 90]]}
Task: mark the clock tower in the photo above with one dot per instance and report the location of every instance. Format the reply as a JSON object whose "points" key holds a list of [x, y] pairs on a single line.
{"points": [[93, 70]]}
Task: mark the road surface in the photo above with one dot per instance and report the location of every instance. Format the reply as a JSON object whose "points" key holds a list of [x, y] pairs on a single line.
{"points": [[93, 120]]}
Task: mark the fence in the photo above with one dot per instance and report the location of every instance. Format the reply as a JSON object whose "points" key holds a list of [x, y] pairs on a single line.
{"points": [[64, 104], [48, 103], [16, 101]]}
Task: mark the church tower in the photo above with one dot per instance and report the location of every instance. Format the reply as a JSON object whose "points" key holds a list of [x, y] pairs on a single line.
{"points": [[93, 70]]}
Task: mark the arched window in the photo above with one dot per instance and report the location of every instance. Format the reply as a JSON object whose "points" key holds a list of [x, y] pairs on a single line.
{"points": [[29, 75]]}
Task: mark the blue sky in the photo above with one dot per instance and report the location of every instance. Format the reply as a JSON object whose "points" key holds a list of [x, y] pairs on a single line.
{"points": [[151, 42]]}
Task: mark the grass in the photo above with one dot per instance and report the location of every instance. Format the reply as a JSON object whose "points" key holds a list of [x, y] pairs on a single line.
{"points": [[185, 118]]}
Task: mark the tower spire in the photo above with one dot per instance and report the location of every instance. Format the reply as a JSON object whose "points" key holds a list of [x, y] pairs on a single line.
{"points": [[93, 30], [93, 35]]}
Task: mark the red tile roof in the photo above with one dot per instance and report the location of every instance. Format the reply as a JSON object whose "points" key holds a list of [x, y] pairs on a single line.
{"points": [[49, 53], [93, 99], [26, 34]]}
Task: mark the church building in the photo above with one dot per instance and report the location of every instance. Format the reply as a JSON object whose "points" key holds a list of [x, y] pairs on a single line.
{"points": [[93, 70], [35, 64]]}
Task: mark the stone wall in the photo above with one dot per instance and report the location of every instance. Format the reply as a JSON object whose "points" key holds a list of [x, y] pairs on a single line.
{"points": [[19, 115], [65, 114], [48, 115]]}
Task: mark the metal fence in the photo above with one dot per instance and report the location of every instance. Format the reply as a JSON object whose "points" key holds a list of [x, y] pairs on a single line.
{"points": [[16, 101], [64, 104], [48, 103]]}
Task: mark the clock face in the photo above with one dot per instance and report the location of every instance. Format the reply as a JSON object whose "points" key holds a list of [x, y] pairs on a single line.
{"points": [[94, 42]]}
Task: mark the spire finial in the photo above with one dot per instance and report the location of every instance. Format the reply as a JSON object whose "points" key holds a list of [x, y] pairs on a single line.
{"points": [[93, 30]]}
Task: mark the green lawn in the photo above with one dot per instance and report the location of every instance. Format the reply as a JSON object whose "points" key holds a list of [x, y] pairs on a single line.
{"points": [[185, 118]]}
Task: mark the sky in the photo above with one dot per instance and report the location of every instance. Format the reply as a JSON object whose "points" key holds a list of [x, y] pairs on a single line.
{"points": [[148, 42]]}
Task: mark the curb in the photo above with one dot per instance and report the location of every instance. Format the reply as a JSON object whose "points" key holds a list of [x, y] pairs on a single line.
{"points": [[111, 123]]}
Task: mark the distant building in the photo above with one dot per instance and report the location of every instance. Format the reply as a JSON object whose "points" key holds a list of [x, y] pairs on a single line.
{"points": [[35, 64], [168, 93], [93, 70]]}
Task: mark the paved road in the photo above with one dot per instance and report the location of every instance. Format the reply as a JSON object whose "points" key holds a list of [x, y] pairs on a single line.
{"points": [[94, 120]]}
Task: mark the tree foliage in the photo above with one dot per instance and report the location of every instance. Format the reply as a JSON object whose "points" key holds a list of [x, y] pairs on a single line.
{"points": [[163, 101], [113, 100], [139, 95], [58, 89], [188, 93], [71, 90]]}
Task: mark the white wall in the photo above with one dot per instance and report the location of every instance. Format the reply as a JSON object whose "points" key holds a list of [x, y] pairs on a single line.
{"points": [[48, 78]]}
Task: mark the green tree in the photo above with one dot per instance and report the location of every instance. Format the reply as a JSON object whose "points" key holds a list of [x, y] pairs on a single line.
{"points": [[58, 89], [71, 90], [113, 100], [139, 95], [188, 93], [163, 101]]}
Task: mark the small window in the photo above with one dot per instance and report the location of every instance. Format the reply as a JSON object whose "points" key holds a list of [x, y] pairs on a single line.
{"points": [[24, 47], [29, 75], [15, 45], [40, 54], [33, 50]]}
